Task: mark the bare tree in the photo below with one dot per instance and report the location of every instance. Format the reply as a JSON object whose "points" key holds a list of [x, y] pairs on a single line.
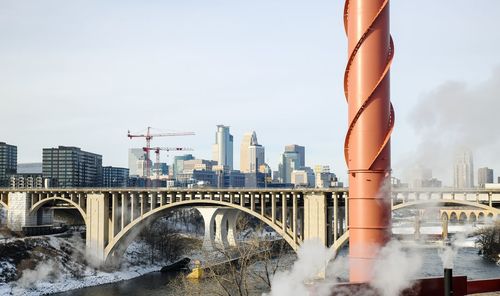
{"points": [[244, 269], [489, 240]]}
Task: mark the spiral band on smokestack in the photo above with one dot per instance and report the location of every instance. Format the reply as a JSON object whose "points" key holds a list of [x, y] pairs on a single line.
{"points": [[371, 121]]}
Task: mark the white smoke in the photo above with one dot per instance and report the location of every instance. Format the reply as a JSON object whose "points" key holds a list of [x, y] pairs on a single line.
{"points": [[311, 264], [42, 272], [395, 269], [455, 115]]}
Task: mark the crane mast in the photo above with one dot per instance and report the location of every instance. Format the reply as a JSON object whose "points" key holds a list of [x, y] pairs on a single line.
{"points": [[150, 136]]}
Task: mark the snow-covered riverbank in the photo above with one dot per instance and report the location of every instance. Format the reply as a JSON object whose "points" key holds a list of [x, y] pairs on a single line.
{"points": [[38, 266]]}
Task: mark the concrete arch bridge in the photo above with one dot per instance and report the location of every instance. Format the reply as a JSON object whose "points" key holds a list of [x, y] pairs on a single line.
{"points": [[112, 215]]}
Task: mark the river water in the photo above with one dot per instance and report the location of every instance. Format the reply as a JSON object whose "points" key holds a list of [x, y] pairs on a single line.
{"points": [[467, 262]]}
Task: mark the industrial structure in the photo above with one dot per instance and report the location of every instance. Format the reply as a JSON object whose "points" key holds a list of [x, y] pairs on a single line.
{"points": [[371, 120]]}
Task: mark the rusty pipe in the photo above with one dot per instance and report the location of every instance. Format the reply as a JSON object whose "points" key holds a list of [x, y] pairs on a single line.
{"points": [[371, 121]]}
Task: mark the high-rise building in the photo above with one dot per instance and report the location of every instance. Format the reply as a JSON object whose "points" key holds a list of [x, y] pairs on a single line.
{"points": [[8, 163], [464, 170], [303, 178], [72, 167], [222, 151], [178, 164], [252, 155], [484, 175], [137, 162], [323, 176], [114, 176], [292, 159], [300, 150], [29, 175]]}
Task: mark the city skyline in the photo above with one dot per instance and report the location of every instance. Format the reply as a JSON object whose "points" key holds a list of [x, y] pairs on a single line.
{"points": [[284, 69]]}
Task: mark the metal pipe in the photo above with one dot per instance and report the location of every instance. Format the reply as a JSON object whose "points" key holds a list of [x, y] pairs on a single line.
{"points": [[448, 282], [371, 120]]}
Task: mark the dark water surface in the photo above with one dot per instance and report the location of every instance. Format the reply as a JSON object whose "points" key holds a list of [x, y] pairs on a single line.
{"points": [[467, 262]]}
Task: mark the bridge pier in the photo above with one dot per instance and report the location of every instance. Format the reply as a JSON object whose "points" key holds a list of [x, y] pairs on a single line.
{"points": [[444, 223], [220, 227], [18, 214], [97, 233]]}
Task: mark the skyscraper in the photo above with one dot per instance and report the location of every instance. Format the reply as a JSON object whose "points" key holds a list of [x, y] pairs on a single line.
{"points": [[223, 148], [292, 159], [8, 163], [301, 152], [252, 155], [484, 175], [72, 167], [464, 170], [137, 162]]}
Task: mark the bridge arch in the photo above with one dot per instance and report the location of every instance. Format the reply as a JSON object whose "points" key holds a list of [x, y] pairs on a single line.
{"points": [[446, 201], [472, 217], [462, 217], [35, 207], [117, 244]]}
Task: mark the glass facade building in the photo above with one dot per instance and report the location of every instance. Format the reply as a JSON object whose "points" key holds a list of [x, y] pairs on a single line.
{"points": [[114, 176], [8, 163], [71, 167]]}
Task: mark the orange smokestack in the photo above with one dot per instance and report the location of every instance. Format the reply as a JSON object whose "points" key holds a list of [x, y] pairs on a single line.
{"points": [[371, 120]]}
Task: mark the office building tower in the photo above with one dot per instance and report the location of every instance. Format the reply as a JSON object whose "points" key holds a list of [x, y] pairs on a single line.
{"points": [[137, 162], [29, 175], [464, 170], [178, 164], [484, 175], [114, 177], [222, 151], [72, 167], [303, 178], [301, 152], [8, 163], [252, 155], [292, 159]]}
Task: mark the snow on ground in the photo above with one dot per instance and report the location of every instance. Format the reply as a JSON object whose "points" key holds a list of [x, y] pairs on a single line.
{"points": [[57, 271]]}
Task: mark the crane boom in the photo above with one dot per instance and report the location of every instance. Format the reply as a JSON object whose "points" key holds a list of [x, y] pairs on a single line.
{"points": [[149, 136]]}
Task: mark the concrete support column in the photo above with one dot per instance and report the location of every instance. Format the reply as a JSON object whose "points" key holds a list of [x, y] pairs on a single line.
{"points": [[18, 214], [208, 214], [283, 212], [252, 201], [221, 228], [315, 225], [115, 214], [242, 199], [143, 196], [417, 226], [294, 217], [232, 219], [273, 208], [490, 199], [126, 210], [134, 204], [263, 204], [154, 201], [444, 224], [161, 198], [98, 226]]}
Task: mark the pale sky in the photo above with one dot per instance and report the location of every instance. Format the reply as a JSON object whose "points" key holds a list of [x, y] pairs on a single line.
{"points": [[81, 73]]}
